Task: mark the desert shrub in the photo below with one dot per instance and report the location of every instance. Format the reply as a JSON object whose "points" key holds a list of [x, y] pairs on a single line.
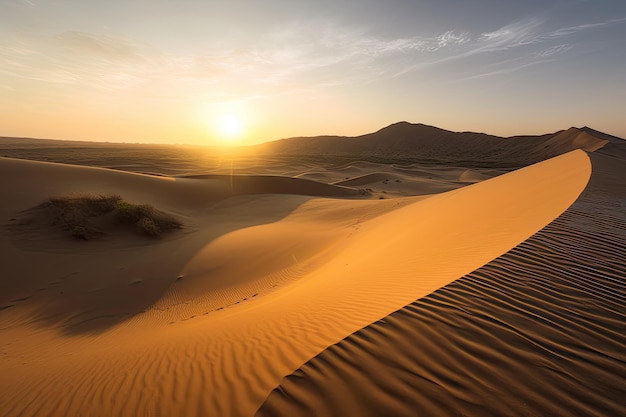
{"points": [[132, 213], [147, 218], [87, 204], [75, 212], [81, 232], [82, 214], [149, 227]]}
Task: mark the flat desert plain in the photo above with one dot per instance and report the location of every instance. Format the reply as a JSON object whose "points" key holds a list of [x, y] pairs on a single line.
{"points": [[316, 286]]}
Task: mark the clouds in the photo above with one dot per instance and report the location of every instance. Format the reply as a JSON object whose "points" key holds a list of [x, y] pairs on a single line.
{"points": [[518, 33], [452, 38], [79, 58], [529, 40], [301, 55], [399, 57], [568, 31], [552, 50], [292, 57]]}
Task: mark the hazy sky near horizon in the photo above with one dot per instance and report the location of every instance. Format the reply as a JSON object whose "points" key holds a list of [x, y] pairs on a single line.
{"points": [[165, 71]]}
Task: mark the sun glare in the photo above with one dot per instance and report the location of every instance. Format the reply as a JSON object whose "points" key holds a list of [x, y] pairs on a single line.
{"points": [[227, 123], [229, 127]]}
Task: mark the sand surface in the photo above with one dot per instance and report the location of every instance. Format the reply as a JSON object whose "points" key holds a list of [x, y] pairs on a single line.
{"points": [[537, 331], [275, 270]]}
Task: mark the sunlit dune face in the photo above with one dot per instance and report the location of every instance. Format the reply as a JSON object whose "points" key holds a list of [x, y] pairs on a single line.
{"points": [[229, 127]]}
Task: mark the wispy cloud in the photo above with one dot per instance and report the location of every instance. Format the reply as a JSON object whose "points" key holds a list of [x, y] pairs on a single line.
{"points": [[567, 31], [77, 58], [277, 63], [322, 55], [510, 36], [506, 70], [552, 50], [452, 38], [529, 37]]}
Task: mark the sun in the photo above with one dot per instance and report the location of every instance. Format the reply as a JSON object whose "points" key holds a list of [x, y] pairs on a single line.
{"points": [[227, 123], [230, 127]]}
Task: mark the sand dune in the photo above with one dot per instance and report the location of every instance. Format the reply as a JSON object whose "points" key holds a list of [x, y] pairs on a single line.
{"points": [[405, 181], [210, 320], [537, 331]]}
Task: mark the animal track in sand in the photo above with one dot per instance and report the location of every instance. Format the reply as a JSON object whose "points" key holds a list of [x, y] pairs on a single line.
{"points": [[240, 301]]}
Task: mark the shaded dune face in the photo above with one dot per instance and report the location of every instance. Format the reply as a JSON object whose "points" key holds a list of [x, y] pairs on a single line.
{"points": [[537, 331], [76, 287]]}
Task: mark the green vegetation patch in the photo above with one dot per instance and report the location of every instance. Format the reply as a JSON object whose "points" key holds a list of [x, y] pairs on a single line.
{"points": [[88, 216]]}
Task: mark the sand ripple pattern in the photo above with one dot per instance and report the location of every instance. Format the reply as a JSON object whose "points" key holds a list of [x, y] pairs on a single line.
{"points": [[538, 331]]}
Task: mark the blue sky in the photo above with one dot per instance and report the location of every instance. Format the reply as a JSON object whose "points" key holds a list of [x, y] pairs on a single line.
{"points": [[164, 71]]}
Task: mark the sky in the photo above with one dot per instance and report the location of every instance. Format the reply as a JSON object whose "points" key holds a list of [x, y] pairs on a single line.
{"points": [[245, 71]]}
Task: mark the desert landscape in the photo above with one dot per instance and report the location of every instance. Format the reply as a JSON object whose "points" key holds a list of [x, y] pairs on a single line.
{"points": [[312, 208], [386, 274]]}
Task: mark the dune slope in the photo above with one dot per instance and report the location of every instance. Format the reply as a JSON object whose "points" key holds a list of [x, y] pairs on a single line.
{"points": [[209, 321], [537, 331]]}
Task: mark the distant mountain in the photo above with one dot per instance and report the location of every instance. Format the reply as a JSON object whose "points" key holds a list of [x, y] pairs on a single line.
{"points": [[405, 140], [400, 142]]}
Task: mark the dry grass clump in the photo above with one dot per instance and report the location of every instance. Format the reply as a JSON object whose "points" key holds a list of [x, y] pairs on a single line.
{"points": [[87, 216], [145, 217]]}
